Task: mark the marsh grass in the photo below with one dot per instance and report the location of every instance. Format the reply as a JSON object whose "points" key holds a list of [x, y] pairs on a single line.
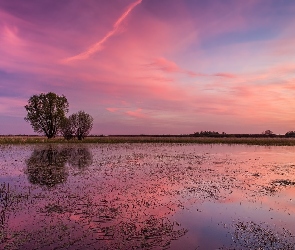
{"points": [[150, 139]]}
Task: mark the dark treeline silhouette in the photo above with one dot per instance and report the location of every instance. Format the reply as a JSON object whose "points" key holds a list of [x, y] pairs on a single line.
{"points": [[290, 134], [214, 134]]}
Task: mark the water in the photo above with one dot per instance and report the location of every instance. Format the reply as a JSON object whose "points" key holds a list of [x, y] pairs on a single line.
{"points": [[147, 196]]}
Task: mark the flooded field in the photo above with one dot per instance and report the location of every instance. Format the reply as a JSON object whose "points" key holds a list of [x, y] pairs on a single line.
{"points": [[147, 196]]}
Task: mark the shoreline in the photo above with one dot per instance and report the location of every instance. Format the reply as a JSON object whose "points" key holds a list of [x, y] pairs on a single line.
{"points": [[270, 141]]}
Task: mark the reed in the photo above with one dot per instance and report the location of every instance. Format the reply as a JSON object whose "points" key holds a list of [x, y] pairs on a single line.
{"points": [[151, 139]]}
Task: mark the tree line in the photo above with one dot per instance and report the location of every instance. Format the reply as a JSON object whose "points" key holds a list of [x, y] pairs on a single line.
{"points": [[266, 133], [47, 115]]}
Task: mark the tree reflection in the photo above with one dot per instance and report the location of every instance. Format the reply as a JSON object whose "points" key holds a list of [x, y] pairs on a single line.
{"points": [[46, 167], [80, 158]]}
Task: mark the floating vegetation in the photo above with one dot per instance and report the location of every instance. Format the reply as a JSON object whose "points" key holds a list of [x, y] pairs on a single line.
{"points": [[283, 183], [53, 208], [276, 185], [251, 235], [149, 234], [5, 203], [146, 196], [9, 202]]}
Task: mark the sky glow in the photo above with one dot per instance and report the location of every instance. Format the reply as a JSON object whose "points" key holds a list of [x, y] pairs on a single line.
{"points": [[150, 66]]}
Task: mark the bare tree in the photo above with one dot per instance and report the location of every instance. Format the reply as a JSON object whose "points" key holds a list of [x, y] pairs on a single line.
{"points": [[46, 112]]}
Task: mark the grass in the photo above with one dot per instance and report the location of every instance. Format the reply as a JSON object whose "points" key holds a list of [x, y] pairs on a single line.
{"points": [[151, 139]]}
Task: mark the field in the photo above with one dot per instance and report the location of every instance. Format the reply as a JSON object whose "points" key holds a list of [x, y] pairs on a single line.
{"points": [[151, 139], [146, 196]]}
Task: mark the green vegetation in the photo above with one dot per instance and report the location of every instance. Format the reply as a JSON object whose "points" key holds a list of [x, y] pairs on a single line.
{"points": [[151, 139], [78, 124], [47, 115], [46, 112]]}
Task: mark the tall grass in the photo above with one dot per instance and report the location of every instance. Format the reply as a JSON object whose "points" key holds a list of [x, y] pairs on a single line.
{"points": [[150, 139]]}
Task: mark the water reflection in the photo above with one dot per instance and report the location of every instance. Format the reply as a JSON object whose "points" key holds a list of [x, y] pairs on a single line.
{"points": [[9, 203], [248, 234], [147, 196], [80, 158], [47, 166], [4, 205], [150, 234]]}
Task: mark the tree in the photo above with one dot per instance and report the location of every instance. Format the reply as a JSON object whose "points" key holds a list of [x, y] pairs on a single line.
{"points": [[67, 129], [46, 113], [290, 134], [268, 132], [82, 122]]}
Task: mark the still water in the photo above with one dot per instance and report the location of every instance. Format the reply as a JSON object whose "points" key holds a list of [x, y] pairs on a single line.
{"points": [[147, 196]]}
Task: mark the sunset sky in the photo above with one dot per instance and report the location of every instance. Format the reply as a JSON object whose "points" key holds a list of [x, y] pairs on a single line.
{"points": [[152, 66]]}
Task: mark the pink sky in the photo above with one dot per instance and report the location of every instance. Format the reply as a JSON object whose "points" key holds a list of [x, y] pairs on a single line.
{"points": [[152, 67]]}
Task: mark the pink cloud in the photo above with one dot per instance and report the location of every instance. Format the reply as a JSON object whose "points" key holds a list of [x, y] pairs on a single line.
{"points": [[12, 106], [112, 110], [171, 67], [166, 65], [98, 46], [226, 75], [160, 64], [136, 114]]}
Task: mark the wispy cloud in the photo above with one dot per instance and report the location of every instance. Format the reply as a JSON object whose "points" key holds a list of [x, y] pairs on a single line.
{"points": [[99, 45], [171, 67], [226, 75], [136, 113], [180, 68], [112, 110]]}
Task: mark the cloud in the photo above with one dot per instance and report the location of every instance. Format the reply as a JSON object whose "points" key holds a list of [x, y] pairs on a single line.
{"points": [[99, 45], [112, 110], [136, 113], [171, 67], [12, 106], [226, 75], [181, 63]]}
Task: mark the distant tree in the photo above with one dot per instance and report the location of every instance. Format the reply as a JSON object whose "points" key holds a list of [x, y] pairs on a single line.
{"points": [[208, 133], [46, 113], [82, 122], [290, 134], [268, 132]]}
